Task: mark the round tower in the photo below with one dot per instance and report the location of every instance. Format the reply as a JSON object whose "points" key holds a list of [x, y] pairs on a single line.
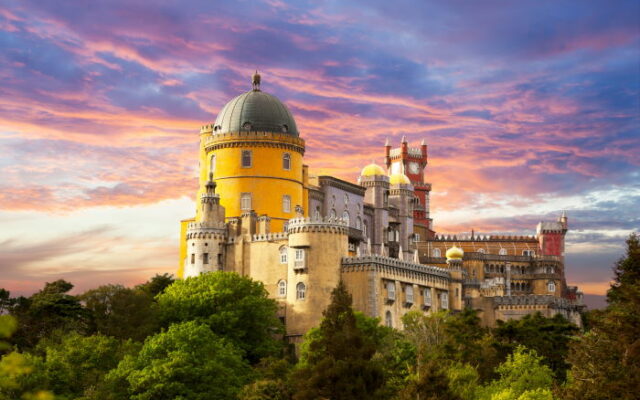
{"points": [[255, 155], [316, 248]]}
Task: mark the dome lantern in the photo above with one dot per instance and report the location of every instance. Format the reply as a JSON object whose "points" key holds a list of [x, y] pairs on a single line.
{"points": [[255, 81]]}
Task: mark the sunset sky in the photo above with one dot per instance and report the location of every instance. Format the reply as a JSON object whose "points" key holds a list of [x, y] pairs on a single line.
{"points": [[528, 107]]}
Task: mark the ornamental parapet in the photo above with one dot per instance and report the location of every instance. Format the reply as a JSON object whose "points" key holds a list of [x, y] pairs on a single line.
{"points": [[270, 237], [257, 139], [206, 226], [548, 300], [320, 224], [374, 259], [508, 258], [484, 238]]}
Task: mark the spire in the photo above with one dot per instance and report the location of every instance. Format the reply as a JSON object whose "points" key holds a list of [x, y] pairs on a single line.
{"points": [[255, 81], [386, 142], [404, 139], [423, 143], [211, 185]]}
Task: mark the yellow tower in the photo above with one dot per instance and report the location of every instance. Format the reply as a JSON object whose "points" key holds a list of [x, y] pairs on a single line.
{"points": [[254, 153]]}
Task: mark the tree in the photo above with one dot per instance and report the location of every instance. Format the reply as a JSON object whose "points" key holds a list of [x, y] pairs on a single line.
{"points": [[338, 364], [271, 382], [605, 362], [187, 362], [157, 284], [549, 337], [522, 376], [122, 312], [233, 306], [74, 365], [20, 377], [50, 309]]}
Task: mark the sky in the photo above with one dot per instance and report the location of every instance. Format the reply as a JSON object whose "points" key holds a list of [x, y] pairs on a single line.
{"points": [[529, 108]]}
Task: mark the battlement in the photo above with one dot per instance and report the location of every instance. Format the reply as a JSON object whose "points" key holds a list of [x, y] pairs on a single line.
{"points": [[535, 299], [483, 238], [415, 151], [374, 259], [206, 227], [270, 237], [321, 224]]}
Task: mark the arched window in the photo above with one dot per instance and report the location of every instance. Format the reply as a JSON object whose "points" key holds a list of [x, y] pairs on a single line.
{"points": [[388, 319], [283, 254], [345, 217], [444, 301], [246, 159], [503, 252], [282, 288], [316, 213], [245, 201], [436, 253], [408, 291], [364, 228], [529, 253], [358, 223], [286, 203], [212, 165], [551, 287], [427, 296], [391, 290], [301, 290], [286, 161]]}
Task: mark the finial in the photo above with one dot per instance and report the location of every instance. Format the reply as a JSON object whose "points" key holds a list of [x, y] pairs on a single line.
{"points": [[211, 185], [386, 142], [423, 143], [255, 81], [404, 139]]}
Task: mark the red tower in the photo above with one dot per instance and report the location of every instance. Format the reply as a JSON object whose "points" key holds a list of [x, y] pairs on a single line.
{"points": [[412, 161]]}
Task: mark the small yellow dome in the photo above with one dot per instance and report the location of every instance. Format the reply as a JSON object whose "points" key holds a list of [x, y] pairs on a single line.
{"points": [[399, 179], [372, 169], [455, 253]]}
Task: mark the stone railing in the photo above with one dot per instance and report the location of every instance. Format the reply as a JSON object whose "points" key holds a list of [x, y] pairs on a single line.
{"points": [[269, 237], [534, 299], [394, 262], [480, 238]]}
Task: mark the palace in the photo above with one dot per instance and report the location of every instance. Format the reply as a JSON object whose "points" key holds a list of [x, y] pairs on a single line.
{"points": [[262, 214]]}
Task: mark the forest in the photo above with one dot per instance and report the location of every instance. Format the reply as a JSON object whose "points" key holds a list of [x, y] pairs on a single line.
{"points": [[218, 336]]}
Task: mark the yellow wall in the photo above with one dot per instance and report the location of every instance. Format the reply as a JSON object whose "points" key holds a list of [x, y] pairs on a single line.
{"points": [[183, 244]]}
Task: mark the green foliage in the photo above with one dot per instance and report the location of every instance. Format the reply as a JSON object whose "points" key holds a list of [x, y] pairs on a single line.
{"points": [[122, 312], [463, 380], [606, 360], [46, 311], [522, 376], [271, 382], [234, 307], [549, 337], [187, 362], [338, 363], [75, 365], [157, 284], [8, 325]]}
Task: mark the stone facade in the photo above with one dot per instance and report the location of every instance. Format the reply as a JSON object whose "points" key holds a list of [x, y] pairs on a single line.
{"points": [[300, 234]]}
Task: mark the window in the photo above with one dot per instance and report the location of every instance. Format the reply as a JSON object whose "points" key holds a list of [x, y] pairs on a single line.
{"points": [[345, 217], [503, 252], [416, 237], [457, 293], [436, 253], [358, 223], [212, 165], [481, 251], [286, 203], [388, 319], [551, 287], [300, 291], [283, 255], [346, 199], [282, 288], [247, 126], [246, 159], [193, 258], [408, 291], [427, 297], [316, 213], [391, 290], [529, 253], [205, 258], [364, 228], [245, 201], [391, 235], [299, 255], [333, 214], [286, 161], [444, 301]]}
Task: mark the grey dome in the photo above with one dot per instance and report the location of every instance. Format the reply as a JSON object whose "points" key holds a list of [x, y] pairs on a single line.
{"points": [[255, 111]]}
